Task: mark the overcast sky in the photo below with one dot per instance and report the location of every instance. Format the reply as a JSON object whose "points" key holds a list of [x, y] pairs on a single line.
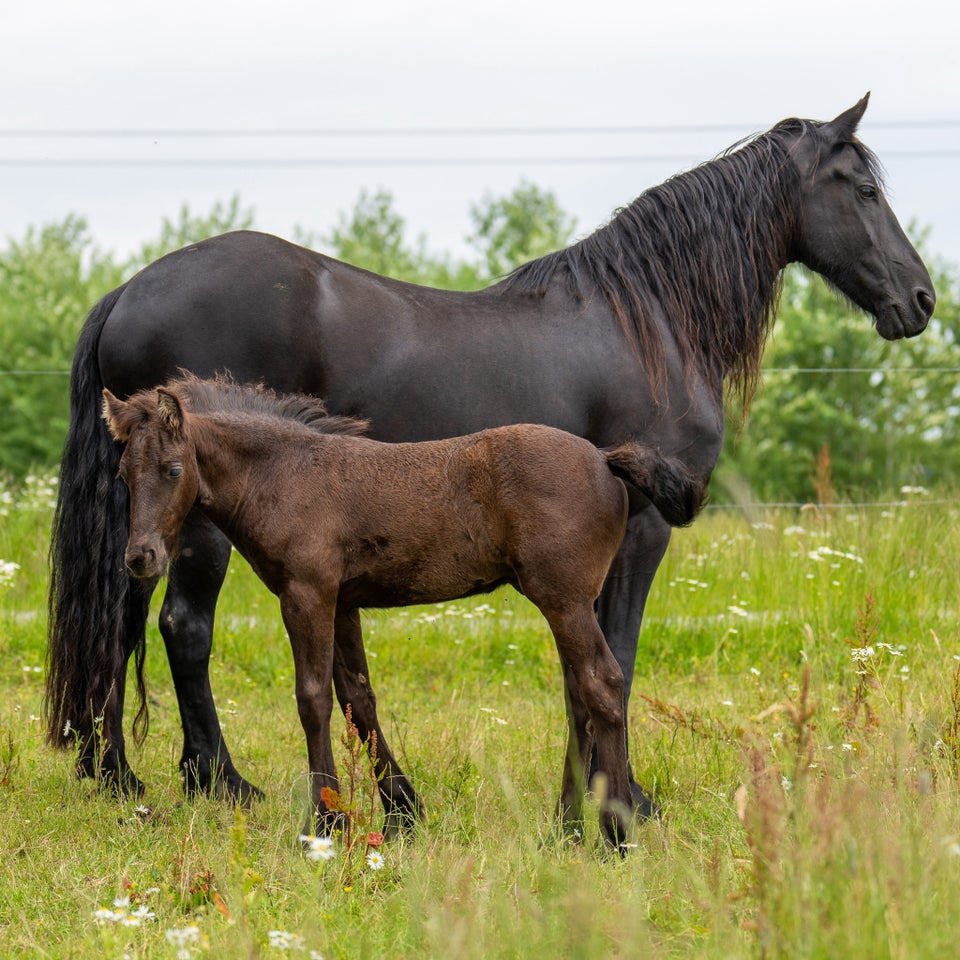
{"points": [[717, 70]]}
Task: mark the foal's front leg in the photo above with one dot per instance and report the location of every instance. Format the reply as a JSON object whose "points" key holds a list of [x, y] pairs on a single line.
{"points": [[308, 614]]}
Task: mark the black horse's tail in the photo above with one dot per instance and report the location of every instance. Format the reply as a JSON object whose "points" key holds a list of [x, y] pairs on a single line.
{"points": [[676, 494], [96, 619]]}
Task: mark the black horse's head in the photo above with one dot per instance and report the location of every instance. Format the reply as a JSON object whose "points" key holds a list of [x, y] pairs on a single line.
{"points": [[847, 232]]}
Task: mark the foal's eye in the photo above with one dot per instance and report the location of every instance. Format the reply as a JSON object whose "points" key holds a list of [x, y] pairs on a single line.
{"points": [[174, 471], [867, 191]]}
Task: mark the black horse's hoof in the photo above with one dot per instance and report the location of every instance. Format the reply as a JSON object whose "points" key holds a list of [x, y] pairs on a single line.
{"points": [[117, 779], [402, 822], [221, 783], [644, 807]]}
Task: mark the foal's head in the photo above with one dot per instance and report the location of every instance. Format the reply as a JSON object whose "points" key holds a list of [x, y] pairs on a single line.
{"points": [[159, 467], [160, 430]]}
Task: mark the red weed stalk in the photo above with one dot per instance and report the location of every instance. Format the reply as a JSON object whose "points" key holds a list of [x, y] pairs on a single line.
{"points": [[356, 800]]}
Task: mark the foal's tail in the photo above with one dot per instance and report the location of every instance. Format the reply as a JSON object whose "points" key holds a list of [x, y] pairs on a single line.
{"points": [[663, 480], [92, 607]]}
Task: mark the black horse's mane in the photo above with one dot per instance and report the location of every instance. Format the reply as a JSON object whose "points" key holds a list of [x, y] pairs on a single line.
{"points": [[682, 243], [223, 394]]}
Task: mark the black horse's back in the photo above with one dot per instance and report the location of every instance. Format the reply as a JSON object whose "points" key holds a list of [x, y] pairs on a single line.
{"points": [[233, 302]]}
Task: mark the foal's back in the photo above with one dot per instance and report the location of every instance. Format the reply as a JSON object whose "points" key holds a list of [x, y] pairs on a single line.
{"points": [[424, 522]]}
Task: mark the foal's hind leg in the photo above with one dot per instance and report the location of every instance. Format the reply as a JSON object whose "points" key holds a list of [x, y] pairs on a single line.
{"points": [[577, 757], [186, 623], [595, 689], [351, 679], [103, 752]]}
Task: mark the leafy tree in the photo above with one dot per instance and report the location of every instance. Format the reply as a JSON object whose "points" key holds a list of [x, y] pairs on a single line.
{"points": [[49, 281], [886, 413], [507, 231], [373, 235], [524, 225], [189, 228]]}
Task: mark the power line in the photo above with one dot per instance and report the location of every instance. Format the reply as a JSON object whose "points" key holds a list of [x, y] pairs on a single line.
{"points": [[294, 162], [341, 132]]}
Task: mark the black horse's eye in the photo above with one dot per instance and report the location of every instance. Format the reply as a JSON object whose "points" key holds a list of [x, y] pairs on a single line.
{"points": [[174, 471], [867, 191]]}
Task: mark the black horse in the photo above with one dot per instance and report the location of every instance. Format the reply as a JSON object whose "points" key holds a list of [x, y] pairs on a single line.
{"points": [[629, 334]]}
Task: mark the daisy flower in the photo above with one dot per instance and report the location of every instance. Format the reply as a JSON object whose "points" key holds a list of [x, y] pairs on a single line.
{"points": [[318, 848]]}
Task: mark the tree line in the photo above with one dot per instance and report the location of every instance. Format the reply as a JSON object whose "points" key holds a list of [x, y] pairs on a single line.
{"points": [[841, 412]]}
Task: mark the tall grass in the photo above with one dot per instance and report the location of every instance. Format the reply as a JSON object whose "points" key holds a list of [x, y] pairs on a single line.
{"points": [[796, 712]]}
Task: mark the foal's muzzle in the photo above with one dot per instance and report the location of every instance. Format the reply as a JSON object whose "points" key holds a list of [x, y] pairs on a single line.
{"points": [[146, 559]]}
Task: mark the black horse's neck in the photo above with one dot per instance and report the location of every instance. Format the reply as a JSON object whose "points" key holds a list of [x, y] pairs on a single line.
{"points": [[705, 250]]}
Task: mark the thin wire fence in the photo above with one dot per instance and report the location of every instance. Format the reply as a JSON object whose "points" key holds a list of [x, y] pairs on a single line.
{"points": [[753, 506], [766, 372]]}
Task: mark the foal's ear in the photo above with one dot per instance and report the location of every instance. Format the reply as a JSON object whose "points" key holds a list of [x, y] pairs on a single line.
{"points": [[844, 128], [118, 417], [170, 410]]}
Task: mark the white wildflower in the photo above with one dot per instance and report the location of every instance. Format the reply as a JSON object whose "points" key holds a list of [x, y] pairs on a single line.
{"points": [[281, 940], [8, 570], [183, 936], [318, 848]]}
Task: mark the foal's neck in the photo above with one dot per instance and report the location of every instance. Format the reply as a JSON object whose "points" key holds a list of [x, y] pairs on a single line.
{"points": [[237, 462]]}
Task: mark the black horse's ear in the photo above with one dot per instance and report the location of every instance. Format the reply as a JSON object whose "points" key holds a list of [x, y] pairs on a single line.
{"points": [[171, 413], [117, 415], [844, 128]]}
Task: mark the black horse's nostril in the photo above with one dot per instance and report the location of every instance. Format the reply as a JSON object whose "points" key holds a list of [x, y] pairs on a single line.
{"points": [[926, 301]]}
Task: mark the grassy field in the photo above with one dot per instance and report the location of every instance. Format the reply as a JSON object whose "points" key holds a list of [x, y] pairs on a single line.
{"points": [[795, 712]]}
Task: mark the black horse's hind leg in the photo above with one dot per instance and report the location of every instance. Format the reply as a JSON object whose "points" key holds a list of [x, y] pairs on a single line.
{"points": [[620, 612], [351, 680], [186, 623], [103, 753]]}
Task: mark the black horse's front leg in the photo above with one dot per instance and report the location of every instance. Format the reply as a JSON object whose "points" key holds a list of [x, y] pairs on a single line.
{"points": [[620, 612], [186, 623]]}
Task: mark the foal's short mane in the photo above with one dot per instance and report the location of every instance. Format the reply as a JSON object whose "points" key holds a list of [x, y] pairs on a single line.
{"points": [[224, 395], [709, 245]]}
